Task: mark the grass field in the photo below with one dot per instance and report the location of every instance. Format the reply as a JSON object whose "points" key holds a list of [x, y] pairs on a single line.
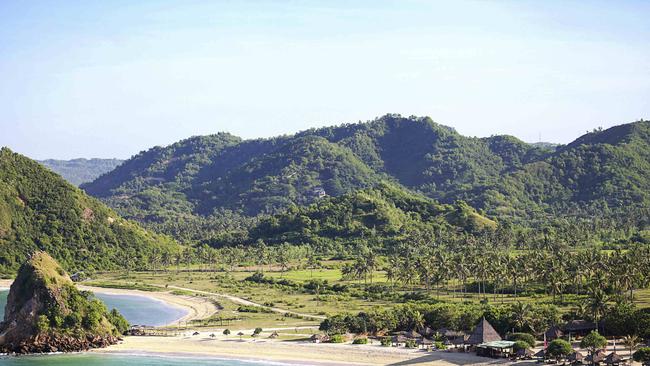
{"points": [[297, 300]]}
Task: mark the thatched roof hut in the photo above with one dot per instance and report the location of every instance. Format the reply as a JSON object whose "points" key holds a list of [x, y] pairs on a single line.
{"points": [[575, 357], [580, 326], [597, 357], [413, 334], [483, 333], [613, 359], [554, 332]]}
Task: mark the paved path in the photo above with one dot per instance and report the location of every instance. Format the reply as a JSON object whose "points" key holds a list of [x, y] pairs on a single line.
{"points": [[239, 300]]}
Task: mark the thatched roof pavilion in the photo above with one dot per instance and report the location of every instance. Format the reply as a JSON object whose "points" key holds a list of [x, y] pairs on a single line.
{"points": [[483, 333], [580, 326]]}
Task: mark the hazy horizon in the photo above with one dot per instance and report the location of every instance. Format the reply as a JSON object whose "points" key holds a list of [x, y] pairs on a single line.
{"points": [[107, 80]]}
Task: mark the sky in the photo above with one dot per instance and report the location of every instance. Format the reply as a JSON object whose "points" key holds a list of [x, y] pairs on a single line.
{"points": [[112, 78]]}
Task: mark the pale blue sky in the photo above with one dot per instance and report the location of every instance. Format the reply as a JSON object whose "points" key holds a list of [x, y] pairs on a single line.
{"points": [[111, 78]]}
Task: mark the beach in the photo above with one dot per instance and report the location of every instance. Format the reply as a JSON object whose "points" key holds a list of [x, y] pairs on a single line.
{"points": [[293, 352]]}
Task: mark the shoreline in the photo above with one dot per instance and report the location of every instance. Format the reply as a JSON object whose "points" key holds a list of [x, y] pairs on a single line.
{"points": [[299, 352], [194, 307]]}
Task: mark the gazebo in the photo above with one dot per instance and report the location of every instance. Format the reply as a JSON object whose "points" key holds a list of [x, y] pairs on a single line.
{"points": [[483, 333], [496, 349]]}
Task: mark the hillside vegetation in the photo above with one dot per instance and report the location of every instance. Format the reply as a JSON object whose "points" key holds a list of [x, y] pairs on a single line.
{"points": [[223, 181], [39, 210]]}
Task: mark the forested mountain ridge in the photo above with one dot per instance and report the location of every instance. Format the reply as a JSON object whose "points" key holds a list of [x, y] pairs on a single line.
{"points": [[79, 171], [39, 210], [601, 173]]}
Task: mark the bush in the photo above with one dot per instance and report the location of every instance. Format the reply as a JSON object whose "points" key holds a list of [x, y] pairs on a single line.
{"points": [[226, 332], [257, 331], [360, 341], [559, 348], [386, 341], [524, 337], [337, 338], [410, 343], [439, 345], [521, 345], [43, 323], [642, 355]]}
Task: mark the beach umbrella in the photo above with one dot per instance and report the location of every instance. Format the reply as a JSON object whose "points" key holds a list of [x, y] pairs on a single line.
{"points": [[240, 334]]}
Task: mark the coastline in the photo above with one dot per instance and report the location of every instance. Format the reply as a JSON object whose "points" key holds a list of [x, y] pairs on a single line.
{"points": [[195, 307], [286, 352], [263, 349]]}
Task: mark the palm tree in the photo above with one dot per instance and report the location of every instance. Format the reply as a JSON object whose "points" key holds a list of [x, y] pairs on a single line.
{"points": [[598, 304], [631, 342], [522, 316]]}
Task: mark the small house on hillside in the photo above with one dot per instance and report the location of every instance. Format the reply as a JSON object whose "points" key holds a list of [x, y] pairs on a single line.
{"points": [[318, 192]]}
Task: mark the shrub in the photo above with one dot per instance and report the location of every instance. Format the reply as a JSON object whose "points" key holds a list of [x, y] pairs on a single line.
{"points": [[440, 345], [337, 338], [559, 348], [642, 355], [360, 341], [521, 345], [257, 330], [226, 332], [525, 337], [43, 323], [410, 343], [386, 341]]}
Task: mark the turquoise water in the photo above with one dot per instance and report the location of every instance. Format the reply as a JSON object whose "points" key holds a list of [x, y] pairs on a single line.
{"points": [[136, 309], [85, 359]]}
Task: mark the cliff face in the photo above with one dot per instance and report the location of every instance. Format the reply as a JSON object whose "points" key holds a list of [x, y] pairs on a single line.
{"points": [[46, 313]]}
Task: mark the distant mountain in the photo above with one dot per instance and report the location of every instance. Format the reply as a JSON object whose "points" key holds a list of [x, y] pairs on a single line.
{"points": [[603, 174], [78, 171], [39, 210]]}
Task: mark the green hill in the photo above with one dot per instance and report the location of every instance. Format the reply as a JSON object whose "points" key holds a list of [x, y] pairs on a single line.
{"points": [[386, 212], [603, 174], [78, 171], [39, 210]]}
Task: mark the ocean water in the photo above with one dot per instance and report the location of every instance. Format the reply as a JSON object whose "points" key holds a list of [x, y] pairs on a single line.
{"points": [[136, 309], [86, 359]]}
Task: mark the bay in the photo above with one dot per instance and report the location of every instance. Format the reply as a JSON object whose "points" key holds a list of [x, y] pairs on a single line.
{"points": [[136, 309]]}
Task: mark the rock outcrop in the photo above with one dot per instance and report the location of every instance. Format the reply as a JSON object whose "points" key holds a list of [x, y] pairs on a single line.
{"points": [[45, 312]]}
